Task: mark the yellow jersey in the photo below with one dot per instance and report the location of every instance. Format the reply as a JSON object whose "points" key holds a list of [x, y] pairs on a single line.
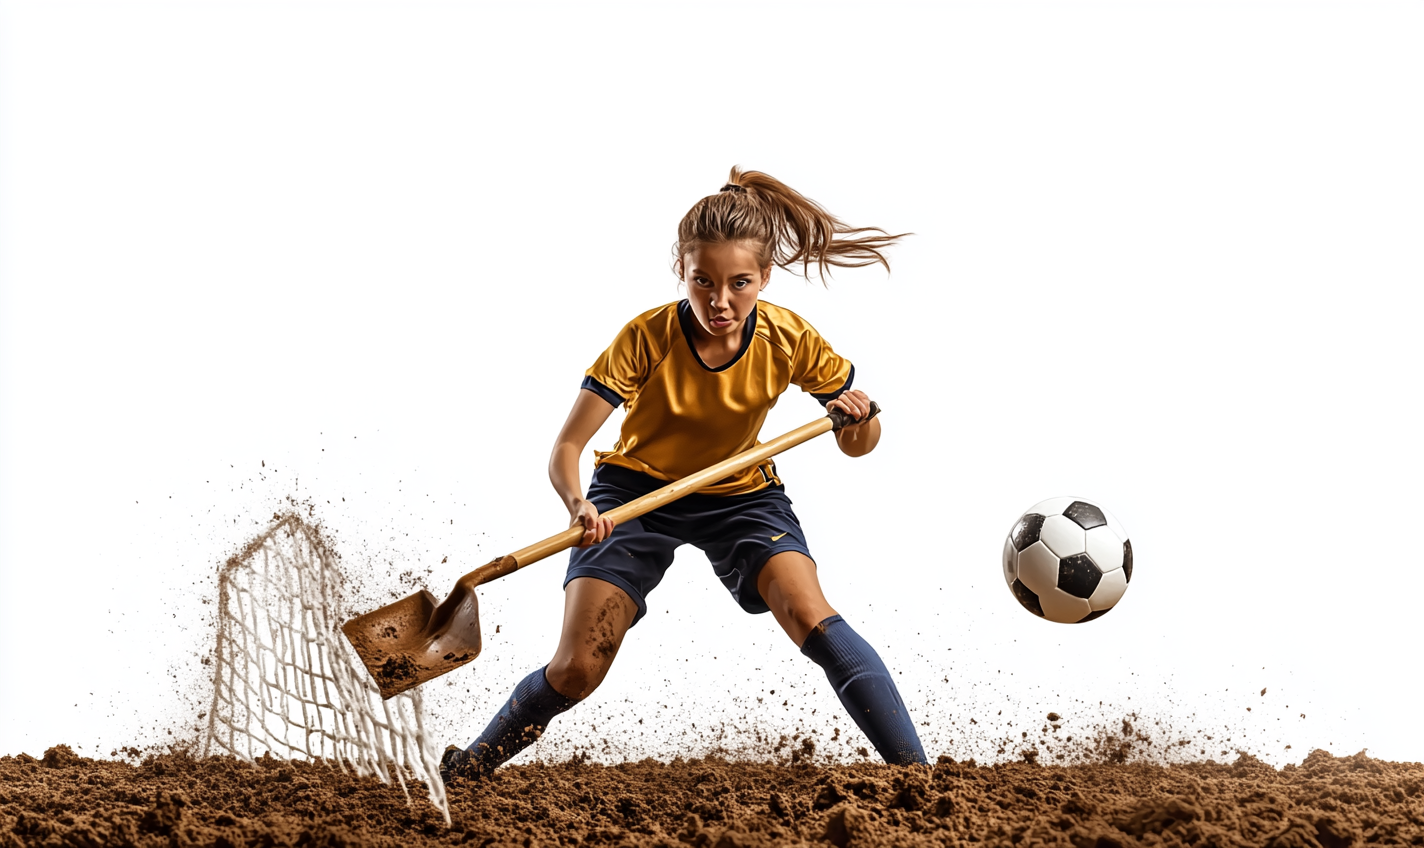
{"points": [[682, 416]]}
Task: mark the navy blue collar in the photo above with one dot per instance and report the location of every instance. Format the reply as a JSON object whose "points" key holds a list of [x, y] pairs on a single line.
{"points": [[688, 322]]}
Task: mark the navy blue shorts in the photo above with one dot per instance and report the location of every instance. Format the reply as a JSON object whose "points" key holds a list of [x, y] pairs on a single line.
{"points": [[739, 533]]}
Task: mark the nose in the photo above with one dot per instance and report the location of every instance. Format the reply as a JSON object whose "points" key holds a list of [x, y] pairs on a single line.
{"points": [[718, 298]]}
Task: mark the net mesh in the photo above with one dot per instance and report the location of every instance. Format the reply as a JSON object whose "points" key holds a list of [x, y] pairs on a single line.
{"points": [[287, 683]]}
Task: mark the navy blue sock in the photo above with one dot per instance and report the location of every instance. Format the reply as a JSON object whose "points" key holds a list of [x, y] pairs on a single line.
{"points": [[518, 724], [864, 686]]}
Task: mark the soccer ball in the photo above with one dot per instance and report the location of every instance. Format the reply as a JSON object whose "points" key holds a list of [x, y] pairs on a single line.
{"points": [[1067, 560]]}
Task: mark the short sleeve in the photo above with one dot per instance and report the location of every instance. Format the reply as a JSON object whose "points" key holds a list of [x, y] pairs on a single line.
{"points": [[818, 369], [620, 372]]}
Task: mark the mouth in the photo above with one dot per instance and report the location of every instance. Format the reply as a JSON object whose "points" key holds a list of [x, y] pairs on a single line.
{"points": [[719, 323]]}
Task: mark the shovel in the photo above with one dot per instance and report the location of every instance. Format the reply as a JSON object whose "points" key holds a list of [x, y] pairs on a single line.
{"points": [[413, 640]]}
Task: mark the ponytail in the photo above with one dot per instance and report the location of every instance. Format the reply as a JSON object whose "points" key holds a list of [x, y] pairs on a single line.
{"points": [[781, 225]]}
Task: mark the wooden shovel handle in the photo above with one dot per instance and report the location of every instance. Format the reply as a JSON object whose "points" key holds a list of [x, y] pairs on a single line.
{"points": [[667, 494]]}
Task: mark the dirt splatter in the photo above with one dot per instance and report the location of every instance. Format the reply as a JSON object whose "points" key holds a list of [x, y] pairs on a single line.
{"points": [[177, 800]]}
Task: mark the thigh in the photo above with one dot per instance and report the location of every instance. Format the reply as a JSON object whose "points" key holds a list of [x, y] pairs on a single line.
{"points": [[741, 533], [638, 552], [789, 586], [597, 615], [633, 558]]}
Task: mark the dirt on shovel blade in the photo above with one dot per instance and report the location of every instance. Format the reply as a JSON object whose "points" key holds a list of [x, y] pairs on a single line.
{"points": [[175, 800]]}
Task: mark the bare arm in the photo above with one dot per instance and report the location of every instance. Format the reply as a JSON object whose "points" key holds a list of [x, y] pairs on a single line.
{"points": [[588, 414], [856, 439]]}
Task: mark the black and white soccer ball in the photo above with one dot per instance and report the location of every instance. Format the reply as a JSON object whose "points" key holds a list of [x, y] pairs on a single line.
{"points": [[1068, 560]]}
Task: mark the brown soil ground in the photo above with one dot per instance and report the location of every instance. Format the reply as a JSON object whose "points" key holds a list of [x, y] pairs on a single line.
{"points": [[175, 800]]}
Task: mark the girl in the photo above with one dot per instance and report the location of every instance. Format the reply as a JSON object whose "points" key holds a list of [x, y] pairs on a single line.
{"points": [[696, 379]]}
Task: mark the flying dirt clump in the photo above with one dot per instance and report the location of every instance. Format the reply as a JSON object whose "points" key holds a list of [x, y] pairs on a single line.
{"points": [[398, 669], [179, 800]]}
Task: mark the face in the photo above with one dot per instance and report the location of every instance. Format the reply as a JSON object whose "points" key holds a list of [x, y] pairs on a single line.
{"points": [[723, 282]]}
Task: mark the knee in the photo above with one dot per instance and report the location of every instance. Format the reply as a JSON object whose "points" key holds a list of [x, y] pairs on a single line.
{"points": [[798, 617], [805, 618], [794, 604], [576, 677]]}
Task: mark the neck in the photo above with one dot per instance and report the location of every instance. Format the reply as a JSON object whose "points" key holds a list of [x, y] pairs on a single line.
{"points": [[716, 350]]}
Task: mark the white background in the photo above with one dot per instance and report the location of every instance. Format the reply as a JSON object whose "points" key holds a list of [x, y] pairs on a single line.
{"points": [[1167, 256]]}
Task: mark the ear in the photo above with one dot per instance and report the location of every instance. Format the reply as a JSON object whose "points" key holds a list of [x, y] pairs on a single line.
{"points": [[765, 277]]}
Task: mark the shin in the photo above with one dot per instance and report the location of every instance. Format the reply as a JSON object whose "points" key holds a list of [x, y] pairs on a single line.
{"points": [[866, 690], [597, 616]]}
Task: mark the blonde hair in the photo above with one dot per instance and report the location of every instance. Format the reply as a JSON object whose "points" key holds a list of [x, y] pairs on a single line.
{"points": [[785, 226]]}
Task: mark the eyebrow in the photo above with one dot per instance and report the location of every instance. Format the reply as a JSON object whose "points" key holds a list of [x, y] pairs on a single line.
{"points": [[697, 270]]}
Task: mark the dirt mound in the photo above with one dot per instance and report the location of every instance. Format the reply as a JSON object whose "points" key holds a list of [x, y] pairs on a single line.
{"points": [[175, 800]]}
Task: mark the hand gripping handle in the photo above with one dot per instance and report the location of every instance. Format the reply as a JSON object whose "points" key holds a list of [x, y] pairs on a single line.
{"points": [[841, 419]]}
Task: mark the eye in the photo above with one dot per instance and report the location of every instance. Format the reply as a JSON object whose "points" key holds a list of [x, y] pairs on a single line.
{"points": [[741, 284]]}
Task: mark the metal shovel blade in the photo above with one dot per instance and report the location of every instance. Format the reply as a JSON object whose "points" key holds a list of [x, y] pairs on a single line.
{"points": [[413, 640]]}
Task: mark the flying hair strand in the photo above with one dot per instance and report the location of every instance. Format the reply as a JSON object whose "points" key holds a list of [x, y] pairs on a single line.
{"points": [[783, 226]]}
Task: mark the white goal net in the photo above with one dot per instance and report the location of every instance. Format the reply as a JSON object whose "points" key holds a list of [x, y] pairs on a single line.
{"points": [[286, 682]]}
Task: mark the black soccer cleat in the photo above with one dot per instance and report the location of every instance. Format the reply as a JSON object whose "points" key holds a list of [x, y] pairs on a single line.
{"points": [[452, 765], [458, 766]]}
